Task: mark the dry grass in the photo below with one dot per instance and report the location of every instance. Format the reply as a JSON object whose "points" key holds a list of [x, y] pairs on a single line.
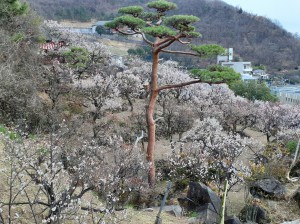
{"points": [[118, 47], [146, 217], [76, 24]]}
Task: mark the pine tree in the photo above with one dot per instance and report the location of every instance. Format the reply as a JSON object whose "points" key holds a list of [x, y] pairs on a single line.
{"points": [[166, 30]]}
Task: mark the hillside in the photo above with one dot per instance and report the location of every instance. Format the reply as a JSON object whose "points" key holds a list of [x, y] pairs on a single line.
{"points": [[254, 38], [75, 146]]}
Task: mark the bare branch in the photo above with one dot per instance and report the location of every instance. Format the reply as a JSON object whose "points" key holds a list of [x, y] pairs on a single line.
{"points": [[82, 193], [293, 164], [93, 209], [138, 139]]}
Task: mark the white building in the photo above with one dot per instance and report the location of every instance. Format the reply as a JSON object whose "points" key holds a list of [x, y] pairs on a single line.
{"points": [[244, 68], [287, 94], [239, 67], [261, 74]]}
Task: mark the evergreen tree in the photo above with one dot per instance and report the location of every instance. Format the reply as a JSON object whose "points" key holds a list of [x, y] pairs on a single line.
{"points": [[165, 30]]}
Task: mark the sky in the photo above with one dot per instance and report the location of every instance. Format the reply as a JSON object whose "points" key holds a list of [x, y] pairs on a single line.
{"points": [[285, 12]]}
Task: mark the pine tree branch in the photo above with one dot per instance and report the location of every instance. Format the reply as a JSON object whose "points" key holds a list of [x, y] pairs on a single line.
{"points": [[126, 33], [145, 39], [184, 42], [172, 86], [164, 41], [179, 52], [167, 44]]}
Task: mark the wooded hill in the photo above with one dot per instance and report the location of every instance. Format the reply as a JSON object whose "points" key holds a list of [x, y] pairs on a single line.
{"points": [[254, 38]]}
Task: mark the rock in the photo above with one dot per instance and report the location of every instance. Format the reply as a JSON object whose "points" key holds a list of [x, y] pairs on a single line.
{"points": [[193, 220], [292, 222], [295, 172], [232, 220], [296, 197], [268, 187], [254, 213], [199, 195], [173, 209], [148, 210], [207, 214]]}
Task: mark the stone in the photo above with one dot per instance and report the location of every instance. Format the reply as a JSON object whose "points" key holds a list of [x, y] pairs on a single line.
{"points": [[148, 210], [174, 210], [199, 195], [296, 196], [232, 220], [193, 220], [268, 188], [295, 171], [292, 222], [207, 214], [254, 213]]}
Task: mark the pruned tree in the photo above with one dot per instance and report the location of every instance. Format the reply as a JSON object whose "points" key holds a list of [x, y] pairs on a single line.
{"points": [[166, 30]]}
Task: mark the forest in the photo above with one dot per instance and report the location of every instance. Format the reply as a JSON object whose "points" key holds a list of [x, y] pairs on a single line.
{"points": [[84, 139], [254, 38]]}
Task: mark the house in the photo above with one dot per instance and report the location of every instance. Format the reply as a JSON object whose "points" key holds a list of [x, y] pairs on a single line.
{"points": [[261, 74], [244, 68], [239, 67]]}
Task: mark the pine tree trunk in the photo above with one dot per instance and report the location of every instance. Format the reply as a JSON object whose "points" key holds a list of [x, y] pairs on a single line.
{"points": [[150, 120]]}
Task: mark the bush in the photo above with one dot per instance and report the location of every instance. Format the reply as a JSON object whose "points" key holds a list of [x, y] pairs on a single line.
{"points": [[291, 146]]}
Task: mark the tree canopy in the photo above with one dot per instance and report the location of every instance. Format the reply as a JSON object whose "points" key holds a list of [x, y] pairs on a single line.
{"points": [[11, 8], [253, 91], [159, 25]]}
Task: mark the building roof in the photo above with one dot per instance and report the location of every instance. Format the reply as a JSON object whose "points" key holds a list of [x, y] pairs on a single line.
{"points": [[258, 70], [286, 89], [248, 77]]}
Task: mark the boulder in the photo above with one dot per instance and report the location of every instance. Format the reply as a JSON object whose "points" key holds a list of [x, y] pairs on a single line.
{"points": [[254, 213], [268, 188], [296, 197], [295, 172], [174, 210], [200, 195], [207, 214], [232, 220], [292, 222]]}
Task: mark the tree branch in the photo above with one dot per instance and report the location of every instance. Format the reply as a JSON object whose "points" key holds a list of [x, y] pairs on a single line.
{"points": [[167, 44], [164, 41], [126, 33], [172, 86], [184, 42], [27, 203], [180, 52], [138, 139], [145, 39], [82, 193], [93, 209]]}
